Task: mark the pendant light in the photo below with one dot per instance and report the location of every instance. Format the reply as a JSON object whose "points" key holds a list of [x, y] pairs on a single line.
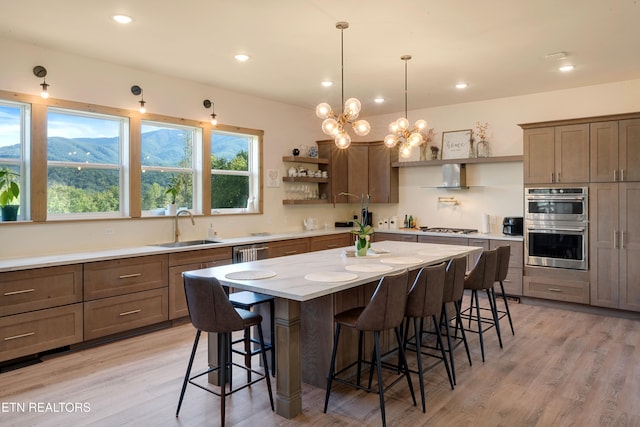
{"points": [[333, 125], [400, 131]]}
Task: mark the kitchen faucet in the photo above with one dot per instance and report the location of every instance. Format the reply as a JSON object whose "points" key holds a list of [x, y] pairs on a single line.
{"points": [[176, 229]]}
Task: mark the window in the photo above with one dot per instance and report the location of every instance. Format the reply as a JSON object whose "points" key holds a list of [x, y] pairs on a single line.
{"points": [[85, 164], [14, 127], [234, 172], [168, 159]]}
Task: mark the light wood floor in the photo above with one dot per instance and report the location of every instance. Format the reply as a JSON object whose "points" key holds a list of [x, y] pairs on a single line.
{"points": [[562, 368]]}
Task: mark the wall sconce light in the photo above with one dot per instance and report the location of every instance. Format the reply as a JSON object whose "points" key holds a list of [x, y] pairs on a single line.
{"points": [[137, 90], [41, 72], [208, 104]]}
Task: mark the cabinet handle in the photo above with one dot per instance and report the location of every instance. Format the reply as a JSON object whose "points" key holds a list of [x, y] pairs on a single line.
{"points": [[290, 252], [554, 290], [615, 175], [622, 233], [621, 174], [127, 276], [552, 177], [615, 239], [28, 334], [331, 246], [557, 176], [24, 291], [126, 313], [507, 281]]}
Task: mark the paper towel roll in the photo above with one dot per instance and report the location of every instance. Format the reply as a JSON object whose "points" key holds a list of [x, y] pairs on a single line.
{"points": [[486, 226]]}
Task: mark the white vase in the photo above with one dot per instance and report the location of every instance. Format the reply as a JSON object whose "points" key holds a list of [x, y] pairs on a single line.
{"points": [[172, 209]]}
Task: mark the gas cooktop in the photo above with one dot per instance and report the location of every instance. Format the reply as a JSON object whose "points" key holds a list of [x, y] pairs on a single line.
{"points": [[449, 230]]}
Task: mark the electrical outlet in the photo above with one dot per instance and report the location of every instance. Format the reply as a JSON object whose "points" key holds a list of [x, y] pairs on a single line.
{"points": [[109, 231]]}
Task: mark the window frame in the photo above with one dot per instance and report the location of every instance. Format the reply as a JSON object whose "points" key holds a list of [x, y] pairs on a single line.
{"points": [[22, 163]]}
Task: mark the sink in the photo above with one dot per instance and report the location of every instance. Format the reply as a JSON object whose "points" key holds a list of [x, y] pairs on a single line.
{"points": [[186, 243]]}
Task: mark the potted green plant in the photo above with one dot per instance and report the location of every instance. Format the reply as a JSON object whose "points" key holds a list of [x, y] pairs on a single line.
{"points": [[9, 194], [173, 190], [363, 236]]}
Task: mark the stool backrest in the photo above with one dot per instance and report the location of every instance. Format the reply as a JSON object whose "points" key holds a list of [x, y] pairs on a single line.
{"points": [[209, 307], [454, 279], [386, 307], [425, 296], [504, 253], [484, 272]]}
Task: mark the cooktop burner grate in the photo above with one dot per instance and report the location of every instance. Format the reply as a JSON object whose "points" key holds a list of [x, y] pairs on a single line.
{"points": [[449, 230]]}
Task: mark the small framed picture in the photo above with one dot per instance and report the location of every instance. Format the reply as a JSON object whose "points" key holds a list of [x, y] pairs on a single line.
{"points": [[273, 178], [456, 144]]}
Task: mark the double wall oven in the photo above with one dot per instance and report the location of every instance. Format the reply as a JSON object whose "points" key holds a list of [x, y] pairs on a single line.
{"points": [[557, 227]]}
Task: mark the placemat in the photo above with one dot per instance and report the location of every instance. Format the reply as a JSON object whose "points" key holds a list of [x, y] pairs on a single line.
{"points": [[250, 274], [369, 268], [331, 276], [402, 260]]}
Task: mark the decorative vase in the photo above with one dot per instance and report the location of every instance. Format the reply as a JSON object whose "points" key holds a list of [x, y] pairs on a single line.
{"points": [[423, 152], [172, 209], [482, 148], [362, 245], [10, 212]]}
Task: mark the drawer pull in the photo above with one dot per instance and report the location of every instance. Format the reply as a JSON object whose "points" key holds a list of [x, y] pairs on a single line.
{"points": [[331, 246], [127, 276], [24, 291], [290, 252], [126, 313], [554, 290], [28, 334]]}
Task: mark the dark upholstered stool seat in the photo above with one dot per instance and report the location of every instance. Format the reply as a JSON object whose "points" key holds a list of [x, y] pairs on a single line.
{"points": [[211, 311], [247, 300]]}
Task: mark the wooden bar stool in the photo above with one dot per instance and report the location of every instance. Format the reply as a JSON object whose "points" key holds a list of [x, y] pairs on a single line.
{"points": [[504, 255], [210, 311], [385, 311]]}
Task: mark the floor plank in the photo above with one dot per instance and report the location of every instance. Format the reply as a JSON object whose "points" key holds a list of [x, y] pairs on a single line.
{"points": [[562, 368]]}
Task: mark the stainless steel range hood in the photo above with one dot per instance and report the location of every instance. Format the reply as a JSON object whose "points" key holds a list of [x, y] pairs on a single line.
{"points": [[454, 176]]}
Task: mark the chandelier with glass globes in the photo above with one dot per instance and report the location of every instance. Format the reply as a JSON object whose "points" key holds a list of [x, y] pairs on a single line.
{"points": [[336, 125], [401, 133]]}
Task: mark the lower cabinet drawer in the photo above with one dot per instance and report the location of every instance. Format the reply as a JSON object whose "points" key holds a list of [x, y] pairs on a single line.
{"points": [[512, 283], [36, 331], [541, 287], [118, 314]]}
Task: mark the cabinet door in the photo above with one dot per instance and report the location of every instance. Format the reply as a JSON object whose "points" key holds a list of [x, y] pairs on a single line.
{"points": [[358, 169], [538, 154], [288, 247], [383, 179], [604, 151], [572, 153], [396, 237], [630, 246], [332, 241], [630, 149], [337, 171], [603, 244]]}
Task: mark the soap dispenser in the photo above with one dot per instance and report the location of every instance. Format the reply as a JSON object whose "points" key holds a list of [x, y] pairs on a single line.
{"points": [[212, 235]]}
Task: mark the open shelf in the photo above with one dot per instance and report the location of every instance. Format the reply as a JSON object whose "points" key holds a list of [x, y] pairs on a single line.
{"points": [[300, 159], [498, 159], [305, 202], [304, 179]]}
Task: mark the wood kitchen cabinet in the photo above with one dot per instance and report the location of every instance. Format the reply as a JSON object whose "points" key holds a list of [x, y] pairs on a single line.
{"points": [[363, 168], [513, 282], [40, 309], [556, 154], [179, 262], [396, 237], [615, 246], [288, 247], [615, 151], [331, 241]]}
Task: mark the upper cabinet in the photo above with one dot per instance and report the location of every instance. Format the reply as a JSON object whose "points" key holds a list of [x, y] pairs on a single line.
{"points": [[615, 151], [556, 154], [363, 168]]}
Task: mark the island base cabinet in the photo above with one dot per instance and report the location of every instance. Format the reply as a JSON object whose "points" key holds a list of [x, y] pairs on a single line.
{"points": [[36, 331], [117, 314]]}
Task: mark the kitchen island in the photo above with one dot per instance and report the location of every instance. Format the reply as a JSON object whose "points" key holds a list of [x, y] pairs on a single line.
{"points": [[309, 289]]}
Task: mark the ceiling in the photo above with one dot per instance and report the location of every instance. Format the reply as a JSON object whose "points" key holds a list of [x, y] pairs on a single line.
{"points": [[498, 47]]}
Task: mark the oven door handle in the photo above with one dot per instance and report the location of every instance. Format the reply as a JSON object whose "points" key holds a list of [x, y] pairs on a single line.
{"points": [[554, 198], [554, 230]]}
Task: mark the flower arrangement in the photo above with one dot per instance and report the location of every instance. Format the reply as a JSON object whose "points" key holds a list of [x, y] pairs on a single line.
{"points": [[363, 233], [481, 130]]}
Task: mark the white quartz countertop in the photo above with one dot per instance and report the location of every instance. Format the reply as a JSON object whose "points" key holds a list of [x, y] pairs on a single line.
{"points": [[286, 277], [476, 235]]}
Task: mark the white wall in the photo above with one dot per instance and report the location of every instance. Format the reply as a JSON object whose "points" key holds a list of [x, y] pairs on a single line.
{"points": [[497, 187]]}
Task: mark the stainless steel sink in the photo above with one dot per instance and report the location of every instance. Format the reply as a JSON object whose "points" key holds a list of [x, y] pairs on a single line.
{"points": [[185, 243]]}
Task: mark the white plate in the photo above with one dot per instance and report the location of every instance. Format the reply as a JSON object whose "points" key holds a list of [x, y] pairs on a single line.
{"points": [[331, 276], [402, 260], [250, 274], [369, 268]]}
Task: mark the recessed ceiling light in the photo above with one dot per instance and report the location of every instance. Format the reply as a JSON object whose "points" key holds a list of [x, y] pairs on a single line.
{"points": [[461, 85], [242, 57], [122, 19], [566, 68], [379, 100], [327, 83]]}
